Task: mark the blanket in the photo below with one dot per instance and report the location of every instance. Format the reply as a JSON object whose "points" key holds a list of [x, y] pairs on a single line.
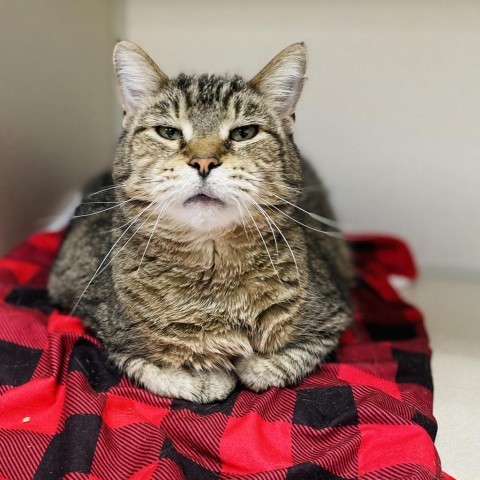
{"points": [[67, 413]]}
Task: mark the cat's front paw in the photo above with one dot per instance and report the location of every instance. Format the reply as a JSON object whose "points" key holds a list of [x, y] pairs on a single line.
{"points": [[214, 386], [200, 387], [259, 372]]}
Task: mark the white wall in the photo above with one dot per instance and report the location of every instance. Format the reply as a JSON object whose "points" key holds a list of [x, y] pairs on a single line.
{"points": [[390, 114], [56, 106]]}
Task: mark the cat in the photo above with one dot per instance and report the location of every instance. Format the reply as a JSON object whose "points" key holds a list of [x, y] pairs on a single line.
{"points": [[193, 263]]}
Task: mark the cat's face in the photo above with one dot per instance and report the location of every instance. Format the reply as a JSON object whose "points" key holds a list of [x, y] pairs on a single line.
{"points": [[203, 150]]}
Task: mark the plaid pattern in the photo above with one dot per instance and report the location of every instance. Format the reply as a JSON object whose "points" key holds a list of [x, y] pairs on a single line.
{"points": [[66, 413]]}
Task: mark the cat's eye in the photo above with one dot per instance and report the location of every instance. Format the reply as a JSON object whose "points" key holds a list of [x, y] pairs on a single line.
{"points": [[169, 133], [241, 134]]}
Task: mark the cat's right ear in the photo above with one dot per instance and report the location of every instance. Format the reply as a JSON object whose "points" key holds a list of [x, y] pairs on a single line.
{"points": [[281, 81], [138, 75]]}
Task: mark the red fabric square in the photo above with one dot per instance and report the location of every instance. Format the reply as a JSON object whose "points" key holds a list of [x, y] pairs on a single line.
{"points": [[23, 327], [333, 448], [356, 376], [121, 411], [385, 445], [47, 241], [22, 270], [251, 444], [197, 437], [21, 451], [273, 405], [65, 323], [142, 441], [36, 406], [145, 473]]}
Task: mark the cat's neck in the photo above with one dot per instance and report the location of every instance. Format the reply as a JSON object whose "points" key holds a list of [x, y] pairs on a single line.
{"points": [[234, 249], [231, 251]]}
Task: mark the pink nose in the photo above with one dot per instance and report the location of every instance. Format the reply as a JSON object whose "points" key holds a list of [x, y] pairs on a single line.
{"points": [[204, 163]]}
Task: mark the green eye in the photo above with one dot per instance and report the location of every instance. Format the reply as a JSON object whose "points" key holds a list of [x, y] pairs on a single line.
{"points": [[169, 133], [244, 133]]}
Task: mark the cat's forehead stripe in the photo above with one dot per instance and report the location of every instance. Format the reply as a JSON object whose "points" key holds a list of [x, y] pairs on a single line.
{"points": [[209, 89]]}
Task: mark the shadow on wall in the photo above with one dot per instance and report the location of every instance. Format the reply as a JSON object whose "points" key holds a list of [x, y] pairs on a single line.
{"points": [[56, 92]]}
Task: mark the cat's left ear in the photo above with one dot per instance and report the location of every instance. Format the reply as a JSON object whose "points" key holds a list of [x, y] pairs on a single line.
{"points": [[281, 81], [138, 75]]}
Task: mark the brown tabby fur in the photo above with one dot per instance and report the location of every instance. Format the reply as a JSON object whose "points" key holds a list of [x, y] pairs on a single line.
{"points": [[196, 294]]}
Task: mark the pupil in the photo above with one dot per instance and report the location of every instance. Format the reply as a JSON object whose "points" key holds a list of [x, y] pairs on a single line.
{"points": [[170, 132], [244, 132]]}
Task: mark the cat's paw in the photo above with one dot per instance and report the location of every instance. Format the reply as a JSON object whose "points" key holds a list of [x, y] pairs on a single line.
{"points": [[258, 373], [173, 382], [214, 386]]}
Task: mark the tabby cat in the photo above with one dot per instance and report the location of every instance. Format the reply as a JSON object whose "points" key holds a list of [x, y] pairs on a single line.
{"points": [[195, 265]]}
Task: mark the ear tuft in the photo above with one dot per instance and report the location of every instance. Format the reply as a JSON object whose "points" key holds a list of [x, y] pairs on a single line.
{"points": [[281, 81], [138, 75]]}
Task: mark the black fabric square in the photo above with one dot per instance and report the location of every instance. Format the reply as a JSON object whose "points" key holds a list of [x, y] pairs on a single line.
{"points": [[325, 407], [381, 332], [413, 368], [189, 468], [224, 407], [311, 471], [71, 450], [36, 298], [17, 363], [93, 362], [427, 423]]}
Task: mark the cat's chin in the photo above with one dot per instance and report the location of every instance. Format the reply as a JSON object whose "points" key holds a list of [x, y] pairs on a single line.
{"points": [[205, 214]]}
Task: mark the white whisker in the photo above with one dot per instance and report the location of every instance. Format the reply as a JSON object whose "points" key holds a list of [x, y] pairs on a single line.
{"points": [[106, 256], [128, 241], [105, 189], [242, 218], [109, 208], [153, 230], [260, 209], [263, 240], [325, 220], [325, 232], [92, 203], [287, 243]]}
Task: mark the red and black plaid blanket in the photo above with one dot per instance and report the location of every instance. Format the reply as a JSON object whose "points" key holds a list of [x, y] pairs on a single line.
{"points": [[66, 413]]}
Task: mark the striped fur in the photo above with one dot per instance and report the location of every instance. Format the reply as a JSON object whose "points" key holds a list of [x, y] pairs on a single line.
{"points": [[195, 294]]}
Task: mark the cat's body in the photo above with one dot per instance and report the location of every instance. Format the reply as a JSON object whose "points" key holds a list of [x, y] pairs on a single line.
{"points": [[216, 279]]}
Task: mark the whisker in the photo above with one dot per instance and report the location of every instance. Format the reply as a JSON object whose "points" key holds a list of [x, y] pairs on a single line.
{"points": [[118, 204], [242, 218], [118, 185], [91, 203], [105, 258], [319, 218], [153, 230], [260, 209], [325, 232], [106, 189], [282, 185], [128, 241], [118, 228], [263, 240], [286, 242]]}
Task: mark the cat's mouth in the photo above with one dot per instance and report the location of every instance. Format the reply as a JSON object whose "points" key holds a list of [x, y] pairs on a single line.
{"points": [[203, 199]]}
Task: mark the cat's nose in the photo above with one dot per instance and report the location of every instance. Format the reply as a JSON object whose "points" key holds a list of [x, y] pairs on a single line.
{"points": [[204, 163]]}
